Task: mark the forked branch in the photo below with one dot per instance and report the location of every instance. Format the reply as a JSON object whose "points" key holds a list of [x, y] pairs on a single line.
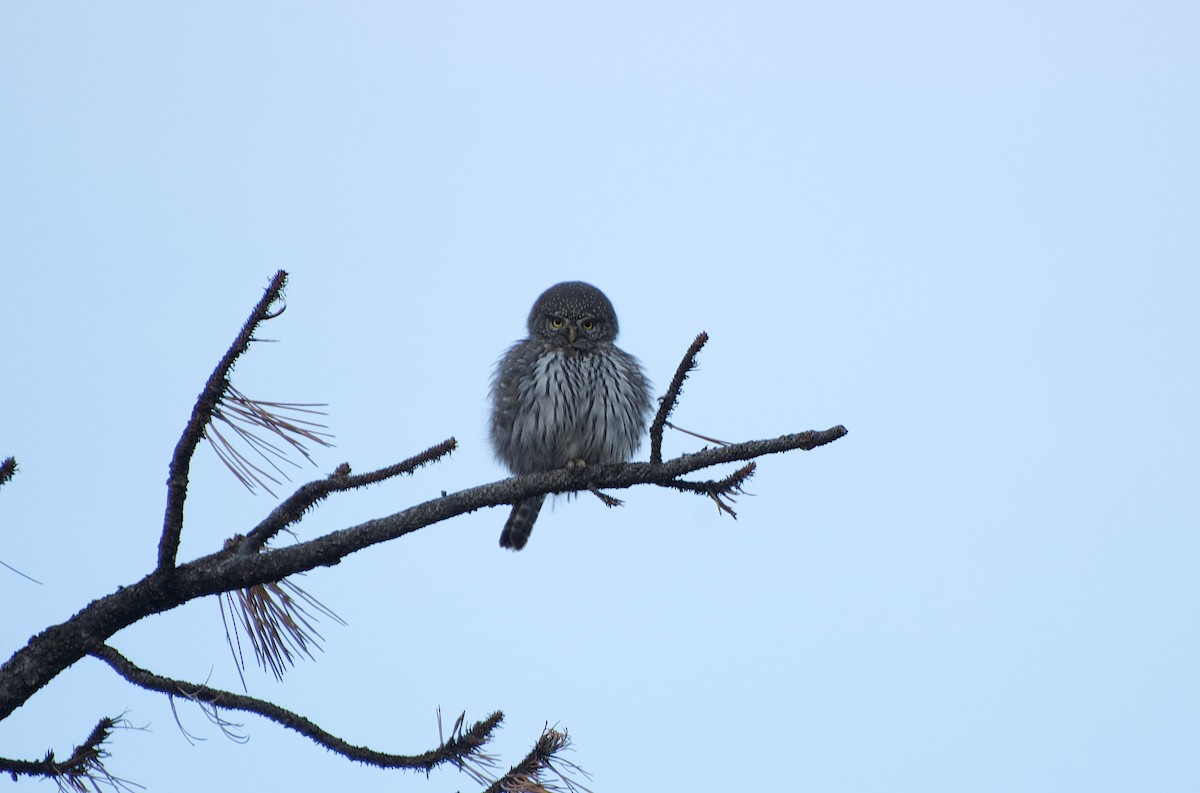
{"points": [[202, 413], [294, 507], [724, 491]]}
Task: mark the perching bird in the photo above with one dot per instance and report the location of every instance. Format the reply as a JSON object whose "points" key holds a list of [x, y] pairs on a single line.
{"points": [[566, 396]]}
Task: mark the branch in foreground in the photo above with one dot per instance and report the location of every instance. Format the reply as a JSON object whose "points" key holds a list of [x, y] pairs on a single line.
{"points": [[202, 413], [461, 750]]}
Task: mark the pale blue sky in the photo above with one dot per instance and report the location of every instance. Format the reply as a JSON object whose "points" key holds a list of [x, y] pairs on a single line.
{"points": [[966, 231]]}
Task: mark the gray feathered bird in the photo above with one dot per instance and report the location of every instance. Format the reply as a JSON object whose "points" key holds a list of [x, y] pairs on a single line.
{"points": [[566, 396]]}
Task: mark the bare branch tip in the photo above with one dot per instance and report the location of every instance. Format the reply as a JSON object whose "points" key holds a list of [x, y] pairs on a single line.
{"points": [[7, 469], [668, 400]]}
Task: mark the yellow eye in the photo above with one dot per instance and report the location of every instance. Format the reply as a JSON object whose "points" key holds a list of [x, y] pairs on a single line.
{"points": [[587, 324], [556, 323]]}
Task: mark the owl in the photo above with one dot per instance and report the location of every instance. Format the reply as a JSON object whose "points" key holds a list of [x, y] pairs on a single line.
{"points": [[565, 396]]}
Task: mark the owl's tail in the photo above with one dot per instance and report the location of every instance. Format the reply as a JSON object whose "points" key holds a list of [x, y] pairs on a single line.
{"points": [[520, 523]]}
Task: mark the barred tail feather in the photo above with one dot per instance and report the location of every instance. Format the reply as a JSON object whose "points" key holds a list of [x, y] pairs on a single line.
{"points": [[520, 523]]}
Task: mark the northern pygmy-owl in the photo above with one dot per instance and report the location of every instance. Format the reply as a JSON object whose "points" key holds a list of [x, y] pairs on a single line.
{"points": [[566, 396]]}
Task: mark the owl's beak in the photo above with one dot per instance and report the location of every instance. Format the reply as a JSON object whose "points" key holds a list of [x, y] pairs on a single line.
{"points": [[571, 334]]}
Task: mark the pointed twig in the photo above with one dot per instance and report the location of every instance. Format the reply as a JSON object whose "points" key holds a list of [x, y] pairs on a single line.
{"points": [[7, 469], [605, 498], [677, 428], [667, 403], [463, 746], [293, 508], [18, 572], [206, 403]]}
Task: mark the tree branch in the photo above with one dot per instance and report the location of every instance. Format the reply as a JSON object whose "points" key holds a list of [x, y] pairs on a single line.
{"points": [[206, 403], [462, 748], [530, 774], [667, 403], [247, 565], [721, 491], [57, 647], [293, 508]]}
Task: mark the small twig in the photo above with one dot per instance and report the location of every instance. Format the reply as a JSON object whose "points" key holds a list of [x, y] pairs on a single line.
{"points": [[462, 747], [667, 403], [531, 775], [206, 403], [605, 498], [293, 508], [696, 434], [720, 491], [7, 469], [18, 572]]}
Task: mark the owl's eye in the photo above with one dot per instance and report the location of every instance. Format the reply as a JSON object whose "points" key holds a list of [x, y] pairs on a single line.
{"points": [[587, 324], [556, 323]]}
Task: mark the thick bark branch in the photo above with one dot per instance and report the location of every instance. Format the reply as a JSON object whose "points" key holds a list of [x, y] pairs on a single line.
{"points": [[56, 648]]}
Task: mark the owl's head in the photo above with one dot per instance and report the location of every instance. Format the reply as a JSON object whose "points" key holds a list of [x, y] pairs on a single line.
{"points": [[573, 314]]}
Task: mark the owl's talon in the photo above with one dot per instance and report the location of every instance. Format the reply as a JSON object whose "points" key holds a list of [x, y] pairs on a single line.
{"points": [[575, 465]]}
